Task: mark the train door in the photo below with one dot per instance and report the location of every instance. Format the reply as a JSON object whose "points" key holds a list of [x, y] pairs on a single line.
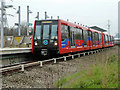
{"points": [[72, 37], [93, 38], [64, 37], [90, 38], [96, 39], [100, 39], [103, 39], [85, 37]]}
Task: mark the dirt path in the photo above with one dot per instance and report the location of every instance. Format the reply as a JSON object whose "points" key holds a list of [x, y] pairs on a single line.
{"points": [[46, 76]]}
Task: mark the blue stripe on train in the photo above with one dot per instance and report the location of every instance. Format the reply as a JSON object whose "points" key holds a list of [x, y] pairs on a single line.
{"points": [[65, 42]]}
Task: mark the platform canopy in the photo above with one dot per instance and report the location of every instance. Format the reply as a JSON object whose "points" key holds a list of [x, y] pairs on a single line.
{"points": [[98, 28]]}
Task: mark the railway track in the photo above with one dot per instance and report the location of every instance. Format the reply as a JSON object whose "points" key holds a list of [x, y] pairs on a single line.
{"points": [[14, 59], [22, 66]]}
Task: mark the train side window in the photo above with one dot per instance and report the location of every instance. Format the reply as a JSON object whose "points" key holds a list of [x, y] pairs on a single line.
{"points": [[111, 38], [81, 34], [96, 37], [84, 37], [106, 39], [77, 34], [64, 32]]}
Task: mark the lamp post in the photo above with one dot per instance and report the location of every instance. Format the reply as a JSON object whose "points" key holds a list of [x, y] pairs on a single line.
{"points": [[28, 11], [46, 16], [19, 26], [3, 7], [2, 26], [37, 16]]}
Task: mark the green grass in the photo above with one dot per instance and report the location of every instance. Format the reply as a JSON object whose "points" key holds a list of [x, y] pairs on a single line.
{"points": [[101, 75]]}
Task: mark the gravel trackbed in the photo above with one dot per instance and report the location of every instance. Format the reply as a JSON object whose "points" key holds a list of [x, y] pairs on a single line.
{"points": [[45, 77]]}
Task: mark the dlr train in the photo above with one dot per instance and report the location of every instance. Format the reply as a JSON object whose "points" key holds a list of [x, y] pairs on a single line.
{"points": [[63, 37]]}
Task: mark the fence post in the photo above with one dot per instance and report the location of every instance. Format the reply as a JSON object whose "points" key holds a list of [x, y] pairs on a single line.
{"points": [[88, 53], [64, 58], [72, 56], [84, 54], [54, 60], [41, 64], [22, 68]]}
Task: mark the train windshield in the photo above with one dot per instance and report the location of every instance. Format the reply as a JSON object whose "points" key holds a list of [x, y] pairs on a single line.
{"points": [[50, 28], [46, 31], [37, 32], [54, 31]]}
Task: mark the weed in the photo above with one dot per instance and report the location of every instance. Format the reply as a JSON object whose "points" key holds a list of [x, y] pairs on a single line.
{"points": [[101, 75]]}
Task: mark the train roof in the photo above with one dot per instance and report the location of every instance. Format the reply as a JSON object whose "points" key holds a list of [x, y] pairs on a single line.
{"points": [[79, 26], [92, 29]]}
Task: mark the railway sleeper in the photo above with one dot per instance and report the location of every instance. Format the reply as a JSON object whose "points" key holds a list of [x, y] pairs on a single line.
{"points": [[23, 66]]}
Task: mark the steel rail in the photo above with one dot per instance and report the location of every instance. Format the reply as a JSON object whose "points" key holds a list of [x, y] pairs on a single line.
{"points": [[40, 63]]}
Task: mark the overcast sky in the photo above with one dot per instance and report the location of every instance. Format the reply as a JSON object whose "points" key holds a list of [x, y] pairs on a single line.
{"points": [[87, 12]]}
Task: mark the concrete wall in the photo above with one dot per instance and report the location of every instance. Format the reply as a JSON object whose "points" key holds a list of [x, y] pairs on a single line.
{"points": [[13, 41]]}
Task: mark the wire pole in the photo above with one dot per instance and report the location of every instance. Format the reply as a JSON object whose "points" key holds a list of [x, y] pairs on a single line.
{"points": [[2, 26], [51, 17], [109, 27], [38, 15], [58, 17], [45, 15], [119, 19], [19, 28], [27, 20]]}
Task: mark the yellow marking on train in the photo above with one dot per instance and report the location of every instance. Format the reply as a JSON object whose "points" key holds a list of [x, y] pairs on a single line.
{"points": [[46, 21]]}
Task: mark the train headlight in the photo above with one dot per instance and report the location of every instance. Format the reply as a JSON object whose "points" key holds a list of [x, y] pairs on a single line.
{"points": [[55, 43], [36, 43]]}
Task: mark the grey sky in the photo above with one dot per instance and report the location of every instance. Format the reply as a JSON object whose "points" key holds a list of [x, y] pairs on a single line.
{"points": [[87, 12]]}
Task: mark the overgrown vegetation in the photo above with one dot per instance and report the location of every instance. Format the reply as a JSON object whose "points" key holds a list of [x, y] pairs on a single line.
{"points": [[104, 74]]}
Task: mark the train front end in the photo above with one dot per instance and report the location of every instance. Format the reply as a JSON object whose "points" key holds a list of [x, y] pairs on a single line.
{"points": [[45, 37]]}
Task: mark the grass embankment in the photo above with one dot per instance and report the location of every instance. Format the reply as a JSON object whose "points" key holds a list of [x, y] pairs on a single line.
{"points": [[101, 75]]}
